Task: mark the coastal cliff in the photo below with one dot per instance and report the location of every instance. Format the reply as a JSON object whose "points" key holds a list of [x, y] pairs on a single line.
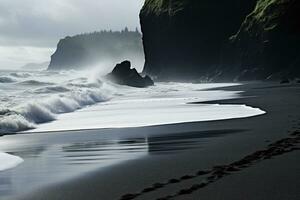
{"points": [[87, 50], [267, 46], [204, 40]]}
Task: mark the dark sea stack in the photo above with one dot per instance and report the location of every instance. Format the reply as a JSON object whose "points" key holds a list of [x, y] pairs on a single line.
{"points": [[85, 50], [148, 80], [123, 74], [267, 45], [183, 38]]}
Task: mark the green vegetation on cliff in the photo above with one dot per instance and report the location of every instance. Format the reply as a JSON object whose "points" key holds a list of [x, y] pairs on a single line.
{"points": [[268, 41], [267, 14], [163, 6]]}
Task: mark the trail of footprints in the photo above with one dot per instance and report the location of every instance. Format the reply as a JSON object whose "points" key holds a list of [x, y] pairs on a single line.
{"points": [[277, 148]]}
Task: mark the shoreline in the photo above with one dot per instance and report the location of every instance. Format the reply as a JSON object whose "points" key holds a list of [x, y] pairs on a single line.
{"points": [[225, 141], [216, 173], [166, 103]]}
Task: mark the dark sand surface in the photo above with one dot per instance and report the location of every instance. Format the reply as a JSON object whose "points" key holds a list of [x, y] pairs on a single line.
{"points": [[180, 151]]}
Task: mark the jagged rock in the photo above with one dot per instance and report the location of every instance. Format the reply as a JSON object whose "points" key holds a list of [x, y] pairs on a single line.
{"points": [[123, 74]]}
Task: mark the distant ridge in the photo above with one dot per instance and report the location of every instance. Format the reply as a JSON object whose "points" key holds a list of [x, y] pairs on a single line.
{"points": [[89, 49]]}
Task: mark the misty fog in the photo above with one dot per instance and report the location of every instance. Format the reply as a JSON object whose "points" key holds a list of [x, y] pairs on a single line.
{"points": [[30, 29], [101, 50]]}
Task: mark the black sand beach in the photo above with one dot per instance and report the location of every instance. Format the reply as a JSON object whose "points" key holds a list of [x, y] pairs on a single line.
{"points": [[250, 158]]}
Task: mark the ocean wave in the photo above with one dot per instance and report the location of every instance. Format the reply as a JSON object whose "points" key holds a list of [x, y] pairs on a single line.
{"points": [[35, 83], [52, 89], [42, 96], [5, 79], [13, 123], [28, 115], [86, 85], [20, 74]]}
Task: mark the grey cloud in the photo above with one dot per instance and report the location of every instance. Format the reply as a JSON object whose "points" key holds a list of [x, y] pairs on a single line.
{"points": [[41, 23]]}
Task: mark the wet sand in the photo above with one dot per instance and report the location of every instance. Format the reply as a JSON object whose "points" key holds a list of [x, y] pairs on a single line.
{"points": [[251, 158]]}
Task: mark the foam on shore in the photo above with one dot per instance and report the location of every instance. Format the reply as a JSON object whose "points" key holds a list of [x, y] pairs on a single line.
{"points": [[9, 161], [165, 103]]}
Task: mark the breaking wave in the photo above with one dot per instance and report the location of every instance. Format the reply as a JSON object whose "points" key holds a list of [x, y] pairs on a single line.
{"points": [[40, 101], [45, 110], [34, 83], [52, 89]]}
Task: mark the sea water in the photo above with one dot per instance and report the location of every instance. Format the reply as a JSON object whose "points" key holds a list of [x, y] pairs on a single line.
{"points": [[45, 101]]}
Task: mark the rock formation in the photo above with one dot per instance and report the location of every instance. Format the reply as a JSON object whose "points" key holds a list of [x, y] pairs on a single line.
{"points": [[123, 74], [85, 50], [267, 46], [224, 40]]}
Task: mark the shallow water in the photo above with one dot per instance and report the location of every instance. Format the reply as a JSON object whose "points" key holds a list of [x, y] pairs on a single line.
{"points": [[36, 102], [72, 100], [52, 158], [164, 103], [48, 159]]}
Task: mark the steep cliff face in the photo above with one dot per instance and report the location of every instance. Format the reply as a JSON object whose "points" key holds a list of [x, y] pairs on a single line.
{"points": [[183, 38], [267, 46], [227, 40], [87, 50]]}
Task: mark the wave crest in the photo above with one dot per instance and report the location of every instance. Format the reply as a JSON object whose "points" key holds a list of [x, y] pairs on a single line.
{"points": [[39, 97], [14, 122], [35, 83], [45, 110], [52, 89], [5, 79], [20, 74]]}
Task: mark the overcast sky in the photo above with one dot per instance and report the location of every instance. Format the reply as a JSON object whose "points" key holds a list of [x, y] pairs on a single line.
{"points": [[30, 29]]}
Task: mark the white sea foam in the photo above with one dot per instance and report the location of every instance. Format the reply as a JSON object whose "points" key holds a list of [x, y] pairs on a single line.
{"points": [[42, 97], [35, 83], [29, 114], [14, 123], [52, 89], [20, 74], [56, 101], [165, 103], [38, 100], [8, 161]]}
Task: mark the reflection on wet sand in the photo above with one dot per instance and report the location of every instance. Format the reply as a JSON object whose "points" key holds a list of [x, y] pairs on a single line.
{"points": [[54, 163], [174, 143], [62, 159], [103, 152], [28, 152]]}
